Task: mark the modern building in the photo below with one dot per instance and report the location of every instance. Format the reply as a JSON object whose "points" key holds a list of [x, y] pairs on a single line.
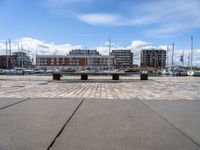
{"points": [[155, 58], [123, 58], [83, 52], [23, 60], [8, 61], [76, 60], [17, 59]]}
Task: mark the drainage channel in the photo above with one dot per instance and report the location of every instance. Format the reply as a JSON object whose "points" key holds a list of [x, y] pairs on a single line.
{"points": [[63, 127]]}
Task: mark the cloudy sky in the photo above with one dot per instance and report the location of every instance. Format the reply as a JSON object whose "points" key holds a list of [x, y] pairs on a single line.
{"points": [[57, 26]]}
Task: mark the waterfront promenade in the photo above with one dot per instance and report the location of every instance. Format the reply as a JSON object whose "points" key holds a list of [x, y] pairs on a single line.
{"points": [[37, 113], [100, 87]]}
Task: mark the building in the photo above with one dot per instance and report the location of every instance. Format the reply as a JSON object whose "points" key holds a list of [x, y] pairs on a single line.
{"points": [[17, 59], [23, 60], [123, 58], [155, 58], [83, 52], [8, 61], [76, 60]]}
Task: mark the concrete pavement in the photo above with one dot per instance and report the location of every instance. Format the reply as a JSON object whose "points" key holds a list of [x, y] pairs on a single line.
{"points": [[33, 124], [40, 124]]}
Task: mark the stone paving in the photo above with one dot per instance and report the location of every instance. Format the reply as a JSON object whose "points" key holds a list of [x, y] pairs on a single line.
{"points": [[100, 87]]}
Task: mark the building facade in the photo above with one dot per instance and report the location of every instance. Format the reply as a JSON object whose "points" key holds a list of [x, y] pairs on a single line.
{"points": [[155, 58], [23, 60], [8, 61], [78, 52], [76, 60], [123, 58]]}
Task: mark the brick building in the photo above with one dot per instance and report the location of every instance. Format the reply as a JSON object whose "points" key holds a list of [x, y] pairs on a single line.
{"points": [[155, 58], [8, 61], [76, 60]]}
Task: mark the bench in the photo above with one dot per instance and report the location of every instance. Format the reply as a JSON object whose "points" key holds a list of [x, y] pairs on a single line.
{"points": [[84, 75]]}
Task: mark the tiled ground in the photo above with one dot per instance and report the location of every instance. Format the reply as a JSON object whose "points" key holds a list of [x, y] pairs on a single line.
{"points": [[100, 87]]}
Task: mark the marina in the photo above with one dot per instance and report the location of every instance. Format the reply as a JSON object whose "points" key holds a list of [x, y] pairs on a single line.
{"points": [[100, 75]]}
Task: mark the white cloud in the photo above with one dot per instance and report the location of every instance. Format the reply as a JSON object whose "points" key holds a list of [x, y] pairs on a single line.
{"points": [[33, 45], [100, 19], [164, 18], [138, 44]]}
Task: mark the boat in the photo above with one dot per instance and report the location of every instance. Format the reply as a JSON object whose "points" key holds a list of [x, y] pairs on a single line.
{"points": [[181, 73], [190, 72], [29, 71], [49, 71], [196, 74], [38, 71], [17, 71]]}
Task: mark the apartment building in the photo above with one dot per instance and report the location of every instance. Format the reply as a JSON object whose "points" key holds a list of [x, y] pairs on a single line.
{"points": [[123, 58], [8, 61], [76, 60], [155, 58]]}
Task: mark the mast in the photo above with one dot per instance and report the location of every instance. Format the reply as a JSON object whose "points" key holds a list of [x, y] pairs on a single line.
{"points": [[85, 58], [191, 52], [9, 41], [182, 58], [22, 57], [173, 55], [188, 59], [109, 54], [6, 55], [18, 56], [167, 63]]}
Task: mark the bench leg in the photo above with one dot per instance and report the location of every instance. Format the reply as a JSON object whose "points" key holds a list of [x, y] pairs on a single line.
{"points": [[56, 76], [84, 77], [115, 77]]}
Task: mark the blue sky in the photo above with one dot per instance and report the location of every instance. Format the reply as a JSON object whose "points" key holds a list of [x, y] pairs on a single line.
{"points": [[56, 26]]}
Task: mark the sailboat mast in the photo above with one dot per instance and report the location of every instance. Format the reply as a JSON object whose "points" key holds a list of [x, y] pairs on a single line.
{"points": [[188, 59], [109, 54], [9, 41], [183, 58], [6, 55], [172, 54], [191, 52]]}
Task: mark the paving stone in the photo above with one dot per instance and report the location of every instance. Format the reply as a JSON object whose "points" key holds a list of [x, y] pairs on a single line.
{"points": [[100, 87]]}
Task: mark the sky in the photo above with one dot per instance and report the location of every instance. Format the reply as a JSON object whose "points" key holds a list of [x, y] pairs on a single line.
{"points": [[58, 26]]}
